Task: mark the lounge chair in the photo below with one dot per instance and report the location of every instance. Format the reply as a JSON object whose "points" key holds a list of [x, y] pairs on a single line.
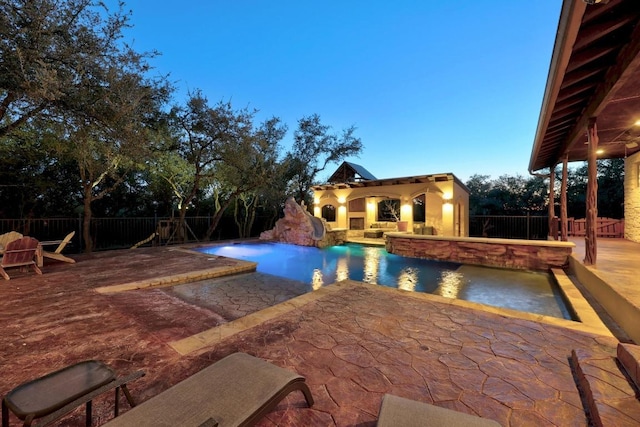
{"points": [[19, 253], [57, 253], [400, 412], [235, 391]]}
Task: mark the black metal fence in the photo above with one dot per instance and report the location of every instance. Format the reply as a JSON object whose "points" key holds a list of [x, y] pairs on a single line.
{"points": [[527, 227], [118, 233], [111, 233]]}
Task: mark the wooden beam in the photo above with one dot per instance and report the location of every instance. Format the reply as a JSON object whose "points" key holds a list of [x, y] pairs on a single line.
{"points": [[627, 62], [564, 229], [552, 208], [590, 242]]}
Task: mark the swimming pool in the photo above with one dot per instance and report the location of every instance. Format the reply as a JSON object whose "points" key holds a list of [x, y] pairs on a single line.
{"points": [[528, 291]]}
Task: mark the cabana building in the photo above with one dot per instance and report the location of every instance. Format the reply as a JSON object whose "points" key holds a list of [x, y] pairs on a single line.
{"points": [[354, 199]]}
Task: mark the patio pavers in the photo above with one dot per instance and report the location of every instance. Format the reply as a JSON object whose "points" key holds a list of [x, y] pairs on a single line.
{"points": [[353, 344]]}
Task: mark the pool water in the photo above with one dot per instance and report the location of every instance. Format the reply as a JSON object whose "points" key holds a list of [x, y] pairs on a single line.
{"points": [[528, 291]]}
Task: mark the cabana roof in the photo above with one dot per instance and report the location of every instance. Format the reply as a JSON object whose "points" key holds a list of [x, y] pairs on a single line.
{"points": [[594, 72], [350, 172], [421, 179]]}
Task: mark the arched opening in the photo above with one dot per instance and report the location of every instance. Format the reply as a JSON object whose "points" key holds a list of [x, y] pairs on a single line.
{"points": [[329, 213]]}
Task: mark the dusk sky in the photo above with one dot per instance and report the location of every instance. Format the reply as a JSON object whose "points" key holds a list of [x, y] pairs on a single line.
{"points": [[432, 86]]}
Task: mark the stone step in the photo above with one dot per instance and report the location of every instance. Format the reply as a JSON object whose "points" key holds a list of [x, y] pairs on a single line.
{"points": [[606, 390], [629, 358]]}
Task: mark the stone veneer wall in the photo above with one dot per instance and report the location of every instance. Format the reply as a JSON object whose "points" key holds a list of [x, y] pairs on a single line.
{"points": [[332, 238], [632, 198], [506, 253]]}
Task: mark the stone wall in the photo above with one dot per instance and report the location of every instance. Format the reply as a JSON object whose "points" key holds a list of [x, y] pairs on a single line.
{"points": [[333, 237], [632, 198], [505, 253]]}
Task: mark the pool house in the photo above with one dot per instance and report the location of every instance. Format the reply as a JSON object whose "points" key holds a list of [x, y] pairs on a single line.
{"points": [[354, 199]]}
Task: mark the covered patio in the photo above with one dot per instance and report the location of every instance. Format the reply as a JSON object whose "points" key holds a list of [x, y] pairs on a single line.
{"points": [[591, 111]]}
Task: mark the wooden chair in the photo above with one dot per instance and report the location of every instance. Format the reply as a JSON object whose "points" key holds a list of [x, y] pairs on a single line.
{"points": [[19, 253], [6, 238], [57, 254]]}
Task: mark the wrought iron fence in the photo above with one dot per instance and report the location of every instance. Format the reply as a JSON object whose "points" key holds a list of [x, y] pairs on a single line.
{"points": [[111, 233], [527, 227], [118, 233]]}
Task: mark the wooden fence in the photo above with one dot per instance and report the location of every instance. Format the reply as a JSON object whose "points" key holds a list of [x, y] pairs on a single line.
{"points": [[605, 227]]}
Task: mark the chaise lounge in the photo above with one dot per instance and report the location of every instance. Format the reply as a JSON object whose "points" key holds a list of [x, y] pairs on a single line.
{"points": [[400, 412], [236, 391]]}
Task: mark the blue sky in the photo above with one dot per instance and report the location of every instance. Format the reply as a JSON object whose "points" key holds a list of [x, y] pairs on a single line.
{"points": [[432, 86]]}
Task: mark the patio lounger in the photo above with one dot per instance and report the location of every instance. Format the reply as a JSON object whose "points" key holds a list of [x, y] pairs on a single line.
{"points": [[235, 391], [400, 412], [19, 253]]}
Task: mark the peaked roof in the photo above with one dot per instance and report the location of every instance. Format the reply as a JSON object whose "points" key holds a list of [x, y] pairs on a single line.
{"points": [[350, 172]]}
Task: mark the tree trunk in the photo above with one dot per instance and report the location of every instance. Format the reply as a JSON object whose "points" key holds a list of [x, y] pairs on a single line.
{"points": [[180, 231], [553, 227], [592, 196], [86, 221], [216, 218]]}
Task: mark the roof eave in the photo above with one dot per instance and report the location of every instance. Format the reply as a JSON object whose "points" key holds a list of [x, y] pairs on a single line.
{"points": [[568, 28]]}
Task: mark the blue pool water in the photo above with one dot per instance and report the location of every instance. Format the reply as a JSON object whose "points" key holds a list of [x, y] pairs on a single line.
{"points": [[520, 290]]}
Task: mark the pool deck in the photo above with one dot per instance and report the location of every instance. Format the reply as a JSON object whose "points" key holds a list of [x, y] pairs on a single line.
{"points": [[353, 342]]}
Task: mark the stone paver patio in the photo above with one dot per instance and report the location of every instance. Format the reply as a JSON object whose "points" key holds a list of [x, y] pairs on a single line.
{"points": [[353, 342]]}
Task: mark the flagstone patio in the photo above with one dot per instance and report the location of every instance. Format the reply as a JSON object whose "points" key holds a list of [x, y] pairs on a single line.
{"points": [[353, 342]]}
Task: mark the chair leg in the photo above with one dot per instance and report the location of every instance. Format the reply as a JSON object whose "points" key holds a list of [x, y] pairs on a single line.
{"points": [[89, 413], [4, 274], [36, 269], [5, 414]]}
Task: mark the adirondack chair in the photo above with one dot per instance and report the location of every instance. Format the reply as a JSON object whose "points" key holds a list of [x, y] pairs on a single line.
{"points": [[6, 238], [19, 253], [57, 253]]}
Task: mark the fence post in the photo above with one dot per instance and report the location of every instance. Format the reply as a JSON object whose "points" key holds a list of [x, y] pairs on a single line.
{"points": [[80, 236], [528, 225]]}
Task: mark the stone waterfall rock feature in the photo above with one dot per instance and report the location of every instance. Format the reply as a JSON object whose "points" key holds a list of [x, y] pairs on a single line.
{"points": [[298, 226]]}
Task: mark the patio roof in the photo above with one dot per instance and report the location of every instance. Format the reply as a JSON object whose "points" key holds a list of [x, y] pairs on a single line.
{"points": [[594, 72]]}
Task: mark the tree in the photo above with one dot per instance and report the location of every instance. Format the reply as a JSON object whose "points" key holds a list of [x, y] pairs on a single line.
{"points": [[611, 188], [65, 62], [199, 135], [314, 147]]}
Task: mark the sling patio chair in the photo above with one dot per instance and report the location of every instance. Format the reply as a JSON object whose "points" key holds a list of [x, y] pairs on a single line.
{"points": [[236, 391], [400, 412], [19, 253]]}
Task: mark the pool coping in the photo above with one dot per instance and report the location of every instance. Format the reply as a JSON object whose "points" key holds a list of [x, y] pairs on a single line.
{"points": [[202, 341]]}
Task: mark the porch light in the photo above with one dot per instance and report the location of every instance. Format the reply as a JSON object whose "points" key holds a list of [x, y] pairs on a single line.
{"points": [[599, 151], [637, 123], [341, 200]]}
